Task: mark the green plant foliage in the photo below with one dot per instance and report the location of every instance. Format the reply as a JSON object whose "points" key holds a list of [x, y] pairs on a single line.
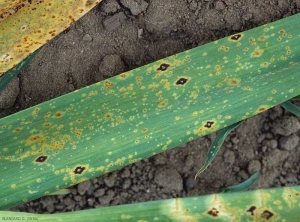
{"points": [[10, 74], [296, 97], [28, 24], [216, 145], [278, 204], [291, 107], [244, 185], [146, 111]]}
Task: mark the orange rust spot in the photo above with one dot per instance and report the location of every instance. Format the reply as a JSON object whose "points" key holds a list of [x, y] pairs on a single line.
{"points": [[261, 109], [17, 129], [162, 103], [58, 114], [262, 38], [88, 3], [281, 31], [72, 19]]}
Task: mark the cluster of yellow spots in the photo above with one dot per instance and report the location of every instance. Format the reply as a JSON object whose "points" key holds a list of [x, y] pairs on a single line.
{"points": [[125, 216], [78, 132], [223, 48], [35, 112], [93, 93], [120, 161], [195, 92], [167, 144], [139, 80], [108, 86], [166, 83]]}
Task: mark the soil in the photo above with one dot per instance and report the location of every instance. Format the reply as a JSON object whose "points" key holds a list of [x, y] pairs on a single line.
{"points": [[120, 35]]}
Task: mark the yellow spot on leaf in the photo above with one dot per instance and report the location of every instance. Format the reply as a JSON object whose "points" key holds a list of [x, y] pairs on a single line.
{"points": [[257, 52]]}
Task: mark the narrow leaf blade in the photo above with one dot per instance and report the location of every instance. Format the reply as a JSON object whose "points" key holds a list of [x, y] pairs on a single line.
{"points": [[291, 108], [13, 72], [216, 145], [244, 185]]}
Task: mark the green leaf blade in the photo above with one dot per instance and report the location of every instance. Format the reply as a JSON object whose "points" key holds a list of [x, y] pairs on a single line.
{"points": [[257, 205], [244, 185]]}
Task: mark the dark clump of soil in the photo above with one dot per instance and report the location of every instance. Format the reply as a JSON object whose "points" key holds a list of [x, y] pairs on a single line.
{"points": [[117, 36]]}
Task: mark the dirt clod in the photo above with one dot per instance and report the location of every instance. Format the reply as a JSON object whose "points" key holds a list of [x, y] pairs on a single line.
{"points": [[113, 22], [168, 178], [286, 125], [84, 186], [135, 6], [254, 166], [289, 142]]}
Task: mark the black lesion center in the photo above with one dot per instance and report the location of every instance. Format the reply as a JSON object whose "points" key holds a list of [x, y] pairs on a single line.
{"points": [[213, 212], [163, 67], [181, 81], [209, 124], [236, 37], [267, 214], [41, 159], [251, 210], [79, 170]]}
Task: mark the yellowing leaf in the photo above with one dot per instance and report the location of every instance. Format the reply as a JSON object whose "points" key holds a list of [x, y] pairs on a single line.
{"points": [[27, 25]]}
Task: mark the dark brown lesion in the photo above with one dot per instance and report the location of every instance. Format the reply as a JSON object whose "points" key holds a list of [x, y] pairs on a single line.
{"points": [[236, 37], [79, 170], [213, 212], [163, 67], [251, 210], [209, 124], [266, 214], [41, 159], [181, 81]]}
